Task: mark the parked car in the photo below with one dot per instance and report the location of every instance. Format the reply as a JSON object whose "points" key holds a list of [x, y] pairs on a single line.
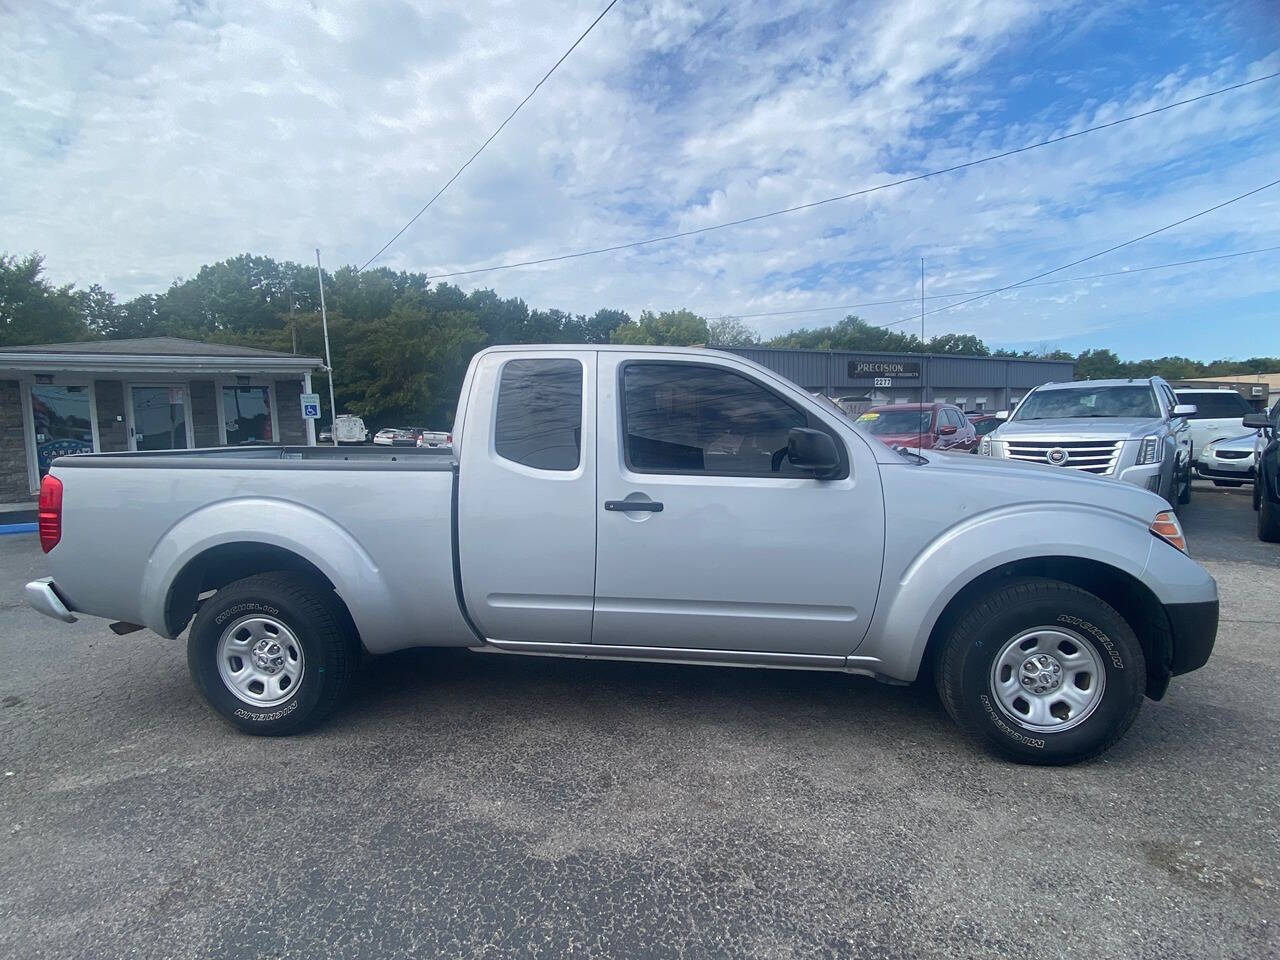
{"points": [[983, 424], [927, 426], [662, 504], [1266, 488], [1217, 416], [396, 437], [435, 439], [1132, 430], [351, 429], [1228, 463]]}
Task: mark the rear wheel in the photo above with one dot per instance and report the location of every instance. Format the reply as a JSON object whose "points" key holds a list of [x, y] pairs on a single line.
{"points": [[1042, 672], [273, 654]]}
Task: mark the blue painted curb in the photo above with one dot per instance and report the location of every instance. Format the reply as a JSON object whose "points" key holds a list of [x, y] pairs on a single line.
{"points": [[7, 528]]}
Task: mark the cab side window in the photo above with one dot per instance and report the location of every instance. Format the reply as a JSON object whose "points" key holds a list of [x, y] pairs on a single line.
{"points": [[687, 418], [539, 415]]}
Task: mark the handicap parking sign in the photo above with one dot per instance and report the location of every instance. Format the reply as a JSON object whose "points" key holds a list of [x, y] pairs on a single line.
{"points": [[311, 406]]}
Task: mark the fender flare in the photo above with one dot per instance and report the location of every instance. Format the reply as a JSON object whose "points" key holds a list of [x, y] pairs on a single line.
{"points": [[963, 553], [278, 523]]}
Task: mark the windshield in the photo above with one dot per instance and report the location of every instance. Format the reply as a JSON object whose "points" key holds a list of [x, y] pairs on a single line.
{"points": [[883, 423], [1216, 406], [1124, 400]]}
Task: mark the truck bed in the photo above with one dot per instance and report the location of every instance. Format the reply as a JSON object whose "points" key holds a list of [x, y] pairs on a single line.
{"points": [[376, 522]]}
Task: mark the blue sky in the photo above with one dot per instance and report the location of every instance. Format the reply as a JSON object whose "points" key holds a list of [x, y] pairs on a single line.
{"points": [[148, 138]]}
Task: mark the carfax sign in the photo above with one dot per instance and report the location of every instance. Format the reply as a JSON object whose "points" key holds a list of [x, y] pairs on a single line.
{"points": [[878, 367]]}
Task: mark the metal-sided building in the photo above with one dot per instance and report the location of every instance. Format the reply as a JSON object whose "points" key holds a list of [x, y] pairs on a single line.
{"points": [[971, 383]]}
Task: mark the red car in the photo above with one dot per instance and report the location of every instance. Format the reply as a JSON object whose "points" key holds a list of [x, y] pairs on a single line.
{"points": [[927, 426]]}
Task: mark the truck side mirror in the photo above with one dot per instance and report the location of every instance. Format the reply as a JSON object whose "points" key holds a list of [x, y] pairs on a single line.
{"points": [[1002, 414], [1185, 410], [812, 450], [946, 431], [1256, 421]]}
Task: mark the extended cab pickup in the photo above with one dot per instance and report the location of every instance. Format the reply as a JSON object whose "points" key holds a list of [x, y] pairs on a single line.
{"points": [[675, 505]]}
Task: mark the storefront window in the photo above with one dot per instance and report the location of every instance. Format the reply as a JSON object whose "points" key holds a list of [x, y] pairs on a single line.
{"points": [[159, 418], [248, 414], [63, 422]]}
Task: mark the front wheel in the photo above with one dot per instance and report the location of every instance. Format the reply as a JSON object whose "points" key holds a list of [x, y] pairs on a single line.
{"points": [[273, 654], [1042, 672], [1184, 494], [1268, 517]]}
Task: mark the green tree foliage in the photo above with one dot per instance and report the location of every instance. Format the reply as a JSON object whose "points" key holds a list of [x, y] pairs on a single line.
{"points": [[401, 344], [672, 328], [32, 310]]}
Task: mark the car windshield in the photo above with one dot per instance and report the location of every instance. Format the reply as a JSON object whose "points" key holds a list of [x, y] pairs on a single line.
{"points": [[1216, 406], [1138, 400], [884, 423]]}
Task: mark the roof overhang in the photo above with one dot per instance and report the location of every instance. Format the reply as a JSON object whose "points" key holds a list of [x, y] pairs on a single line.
{"points": [[139, 363]]}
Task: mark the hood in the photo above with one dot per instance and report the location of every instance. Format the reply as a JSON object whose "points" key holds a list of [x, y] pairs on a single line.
{"points": [[1078, 428], [1244, 443], [1022, 482], [914, 440]]}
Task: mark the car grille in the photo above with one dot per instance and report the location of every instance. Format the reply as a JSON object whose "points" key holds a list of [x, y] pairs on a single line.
{"points": [[1092, 456], [1232, 454]]}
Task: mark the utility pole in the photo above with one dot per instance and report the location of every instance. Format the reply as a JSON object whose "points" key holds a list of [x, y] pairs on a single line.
{"points": [[924, 357], [324, 323], [293, 326]]}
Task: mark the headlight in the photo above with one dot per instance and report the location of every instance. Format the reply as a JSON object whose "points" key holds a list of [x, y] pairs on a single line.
{"points": [[984, 448], [1151, 451], [1167, 528]]}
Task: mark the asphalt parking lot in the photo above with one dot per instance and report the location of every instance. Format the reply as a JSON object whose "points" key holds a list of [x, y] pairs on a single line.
{"points": [[490, 806]]}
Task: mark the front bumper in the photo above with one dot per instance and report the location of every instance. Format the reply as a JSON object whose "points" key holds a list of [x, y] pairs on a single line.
{"points": [[44, 598], [1194, 627], [1225, 469]]}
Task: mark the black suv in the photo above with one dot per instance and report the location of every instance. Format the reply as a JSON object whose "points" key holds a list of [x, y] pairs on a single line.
{"points": [[1266, 489]]}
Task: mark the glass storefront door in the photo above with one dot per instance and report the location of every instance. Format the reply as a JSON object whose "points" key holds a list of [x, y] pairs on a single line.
{"points": [[159, 418], [63, 419], [247, 412]]}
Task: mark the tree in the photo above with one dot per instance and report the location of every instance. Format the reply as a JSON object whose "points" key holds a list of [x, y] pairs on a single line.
{"points": [[32, 310], [677, 328], [730, 332], [961, 343], [1098, 365]]}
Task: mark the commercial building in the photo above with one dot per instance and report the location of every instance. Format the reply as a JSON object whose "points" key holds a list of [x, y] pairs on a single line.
{"points": [[146, 394], [864, 379]]}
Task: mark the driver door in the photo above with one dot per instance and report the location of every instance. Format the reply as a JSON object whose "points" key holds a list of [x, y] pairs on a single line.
{"points": [[707, 537]]}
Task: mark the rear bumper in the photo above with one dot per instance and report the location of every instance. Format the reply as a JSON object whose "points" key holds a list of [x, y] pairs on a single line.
{"points": [[44, 598], [1194, 627]]}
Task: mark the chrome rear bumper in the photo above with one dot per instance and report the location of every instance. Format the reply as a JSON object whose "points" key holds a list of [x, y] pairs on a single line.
{"points": [[42, 596]]}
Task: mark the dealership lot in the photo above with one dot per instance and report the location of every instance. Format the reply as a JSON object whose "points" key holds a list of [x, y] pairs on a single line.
{"points": [[469, 805]]}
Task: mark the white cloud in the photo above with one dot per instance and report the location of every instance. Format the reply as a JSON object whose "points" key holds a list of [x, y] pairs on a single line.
{"points": [[147, 139]]}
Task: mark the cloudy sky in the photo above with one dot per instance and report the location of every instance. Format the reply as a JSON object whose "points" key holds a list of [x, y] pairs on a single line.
{"points": [[146, 138]]}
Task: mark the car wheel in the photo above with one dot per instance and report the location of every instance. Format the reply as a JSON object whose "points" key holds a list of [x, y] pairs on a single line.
{"points": [[1268, 518], [272, 653], [1184, 494], [1042, 672], [1228, 483], [1257, 493]]}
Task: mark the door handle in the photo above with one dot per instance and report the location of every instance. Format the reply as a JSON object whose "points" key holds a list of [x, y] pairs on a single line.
{"points": [[624, 506]]}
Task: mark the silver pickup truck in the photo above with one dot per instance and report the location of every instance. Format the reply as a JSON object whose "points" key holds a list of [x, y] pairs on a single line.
{"points": [[673, 505], [1132, 430]]}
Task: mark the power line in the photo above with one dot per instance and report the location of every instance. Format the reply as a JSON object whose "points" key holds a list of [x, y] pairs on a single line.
{"points": [[511, 115], [1094, 256], [845, 196], [968, 293]]}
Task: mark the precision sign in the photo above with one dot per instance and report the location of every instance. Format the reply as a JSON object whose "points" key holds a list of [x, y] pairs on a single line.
{"points": [[311, 406], [884, 369]]}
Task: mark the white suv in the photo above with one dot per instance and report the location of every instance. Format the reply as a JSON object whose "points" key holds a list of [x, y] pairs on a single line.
{"points": [[1217, 417]]}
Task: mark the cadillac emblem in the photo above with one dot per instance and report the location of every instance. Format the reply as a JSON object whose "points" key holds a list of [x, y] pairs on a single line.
{"points": [[1057, 456]]}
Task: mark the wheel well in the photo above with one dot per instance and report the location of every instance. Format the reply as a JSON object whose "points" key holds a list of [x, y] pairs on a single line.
{"points": [[1131, 598], [227, 563]]}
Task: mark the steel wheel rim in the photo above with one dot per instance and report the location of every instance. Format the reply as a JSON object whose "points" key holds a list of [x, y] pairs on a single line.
{"points": [[260, 661], [1048, 679]]}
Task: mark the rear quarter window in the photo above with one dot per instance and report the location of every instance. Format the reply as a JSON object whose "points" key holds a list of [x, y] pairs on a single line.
{"points": [[539, 416]]}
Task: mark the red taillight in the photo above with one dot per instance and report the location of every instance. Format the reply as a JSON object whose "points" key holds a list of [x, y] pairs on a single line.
{"points": [[49, 519]]}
